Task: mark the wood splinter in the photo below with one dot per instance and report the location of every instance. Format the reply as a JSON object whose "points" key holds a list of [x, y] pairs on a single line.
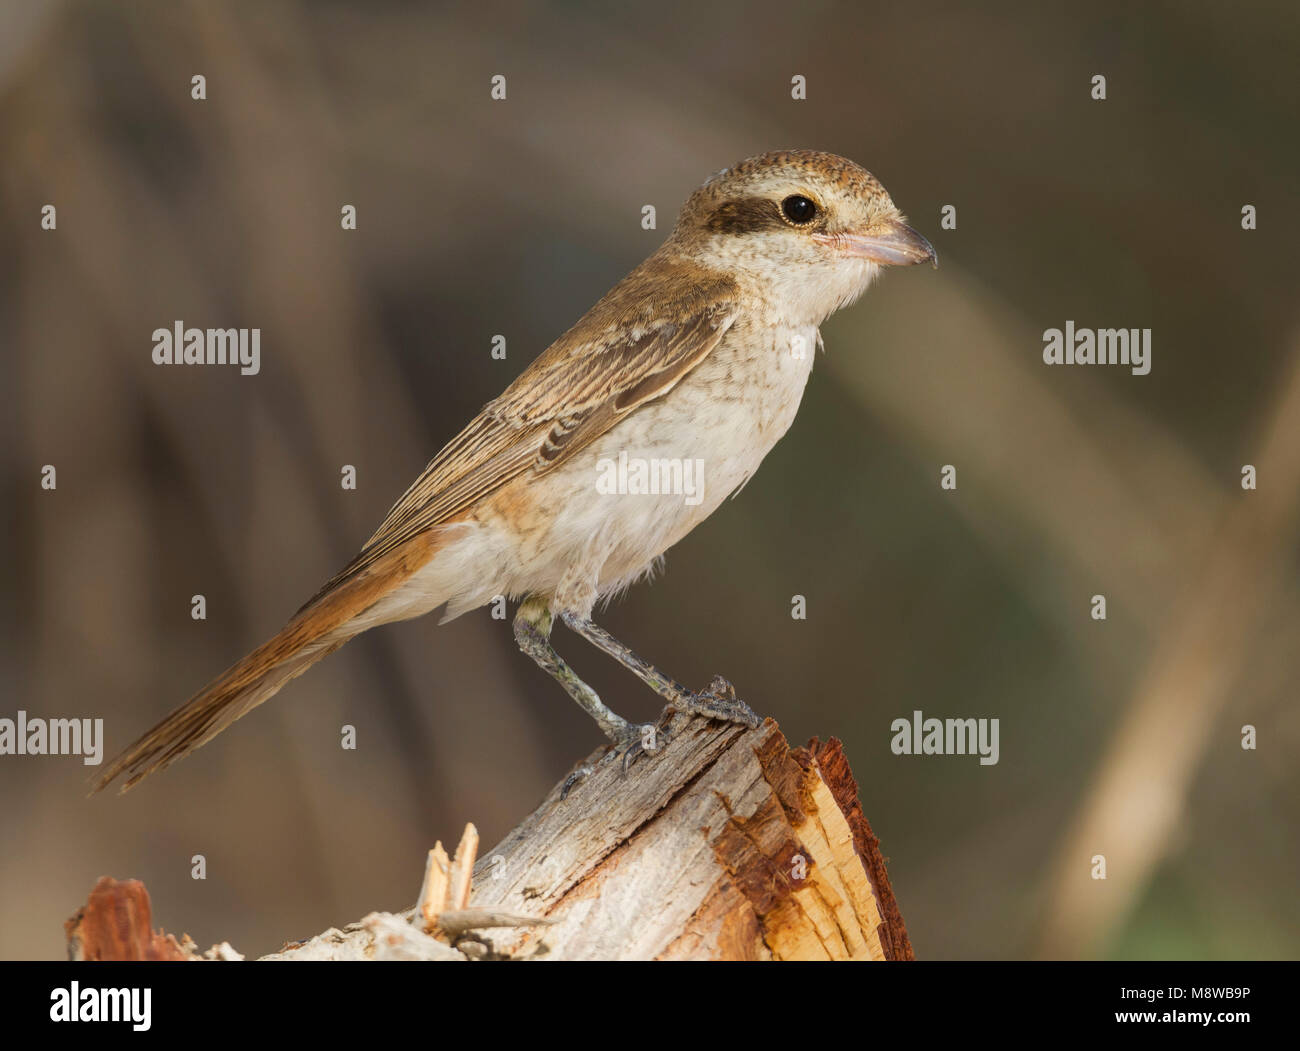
{"points": [[444, 895]]}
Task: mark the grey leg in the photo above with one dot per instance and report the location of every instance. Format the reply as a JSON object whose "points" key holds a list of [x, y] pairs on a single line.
{"points": [[532, 632], [718, 701]]}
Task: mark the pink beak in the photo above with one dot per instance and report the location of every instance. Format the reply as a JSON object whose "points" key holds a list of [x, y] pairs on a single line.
{"points": [[897, 245]]}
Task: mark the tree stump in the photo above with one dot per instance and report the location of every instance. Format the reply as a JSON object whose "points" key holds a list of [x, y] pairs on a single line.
{"points": [[724, 844]]}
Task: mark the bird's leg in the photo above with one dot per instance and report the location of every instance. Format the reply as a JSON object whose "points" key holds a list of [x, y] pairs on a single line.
{"points": [[717, 701], [533, 633]]}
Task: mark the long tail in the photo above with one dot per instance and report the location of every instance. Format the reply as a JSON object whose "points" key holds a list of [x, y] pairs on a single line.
{"points": [[317, 630]]}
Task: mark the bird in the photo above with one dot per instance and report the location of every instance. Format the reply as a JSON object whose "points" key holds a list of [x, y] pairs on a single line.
{"points": [[698, 357]]}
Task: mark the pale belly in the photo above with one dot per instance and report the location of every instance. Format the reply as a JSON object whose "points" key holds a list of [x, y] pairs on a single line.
{"points": [[599, 521]]}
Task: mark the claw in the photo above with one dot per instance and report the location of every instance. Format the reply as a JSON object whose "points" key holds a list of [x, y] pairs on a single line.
{"points": [[631, 740], [719, 701], [721, 688], [645, 739], [574, 779], [636, 740]]}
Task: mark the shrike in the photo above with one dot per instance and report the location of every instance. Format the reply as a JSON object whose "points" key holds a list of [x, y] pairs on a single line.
{"points": [[699, 356]]}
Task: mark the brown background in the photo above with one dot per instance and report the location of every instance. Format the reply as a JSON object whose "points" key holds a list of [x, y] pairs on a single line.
{"points": [[477, 218]]}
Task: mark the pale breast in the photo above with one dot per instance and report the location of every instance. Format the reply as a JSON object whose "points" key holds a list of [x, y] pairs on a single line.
{"points": [[599, 521], [701, 441]]}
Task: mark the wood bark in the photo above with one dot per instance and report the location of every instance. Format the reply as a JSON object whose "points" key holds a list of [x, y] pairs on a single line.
{"points": [[725, 844]]}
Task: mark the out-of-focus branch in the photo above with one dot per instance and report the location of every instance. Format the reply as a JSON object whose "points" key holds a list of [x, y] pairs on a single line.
{"points": [[1141, 785]]}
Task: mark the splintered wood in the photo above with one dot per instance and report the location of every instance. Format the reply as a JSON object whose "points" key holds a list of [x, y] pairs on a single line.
{"points": [[446, 883], [116, 924], [726, 844]]}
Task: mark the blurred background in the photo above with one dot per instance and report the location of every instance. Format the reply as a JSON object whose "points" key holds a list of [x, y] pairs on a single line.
{"points": [[478, 218]]}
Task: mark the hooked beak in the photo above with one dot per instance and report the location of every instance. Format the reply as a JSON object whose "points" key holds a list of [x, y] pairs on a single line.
{"points": [[896, 245]]}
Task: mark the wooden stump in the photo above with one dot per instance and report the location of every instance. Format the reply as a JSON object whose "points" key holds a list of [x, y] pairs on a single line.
{"points": [[725, 844]]}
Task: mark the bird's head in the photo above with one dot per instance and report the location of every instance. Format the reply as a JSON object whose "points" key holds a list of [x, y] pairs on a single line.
{"points": [[806, 230]]}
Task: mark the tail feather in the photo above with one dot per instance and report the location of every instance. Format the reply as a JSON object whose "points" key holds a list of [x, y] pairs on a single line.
{"points": [[316, 631], [207, 713]]}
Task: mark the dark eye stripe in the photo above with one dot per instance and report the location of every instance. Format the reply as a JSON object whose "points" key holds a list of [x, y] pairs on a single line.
{"points": [[747, 215]]}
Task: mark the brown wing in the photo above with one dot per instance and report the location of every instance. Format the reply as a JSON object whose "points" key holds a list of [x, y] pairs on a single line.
{"points": [[648, 332]]}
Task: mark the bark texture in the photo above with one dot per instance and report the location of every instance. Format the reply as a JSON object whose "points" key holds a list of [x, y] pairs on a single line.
{"points": [[725, 844]]}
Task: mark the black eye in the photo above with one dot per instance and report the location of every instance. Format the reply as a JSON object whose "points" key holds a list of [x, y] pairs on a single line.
{"points": [[798, 209]]}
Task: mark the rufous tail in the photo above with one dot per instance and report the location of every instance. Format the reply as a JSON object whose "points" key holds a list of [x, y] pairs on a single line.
{"points": [[316, 631]]}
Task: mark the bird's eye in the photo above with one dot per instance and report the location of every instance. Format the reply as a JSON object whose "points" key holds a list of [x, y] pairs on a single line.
{"points": [[798, 209]]}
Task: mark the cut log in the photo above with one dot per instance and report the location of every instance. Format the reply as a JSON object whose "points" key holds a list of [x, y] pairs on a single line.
{"points": [[725, 844]]}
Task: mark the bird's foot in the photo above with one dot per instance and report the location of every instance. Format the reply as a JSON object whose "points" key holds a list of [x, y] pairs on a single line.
{"points": [[718, 701], [636, 739], [627, 741]]}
